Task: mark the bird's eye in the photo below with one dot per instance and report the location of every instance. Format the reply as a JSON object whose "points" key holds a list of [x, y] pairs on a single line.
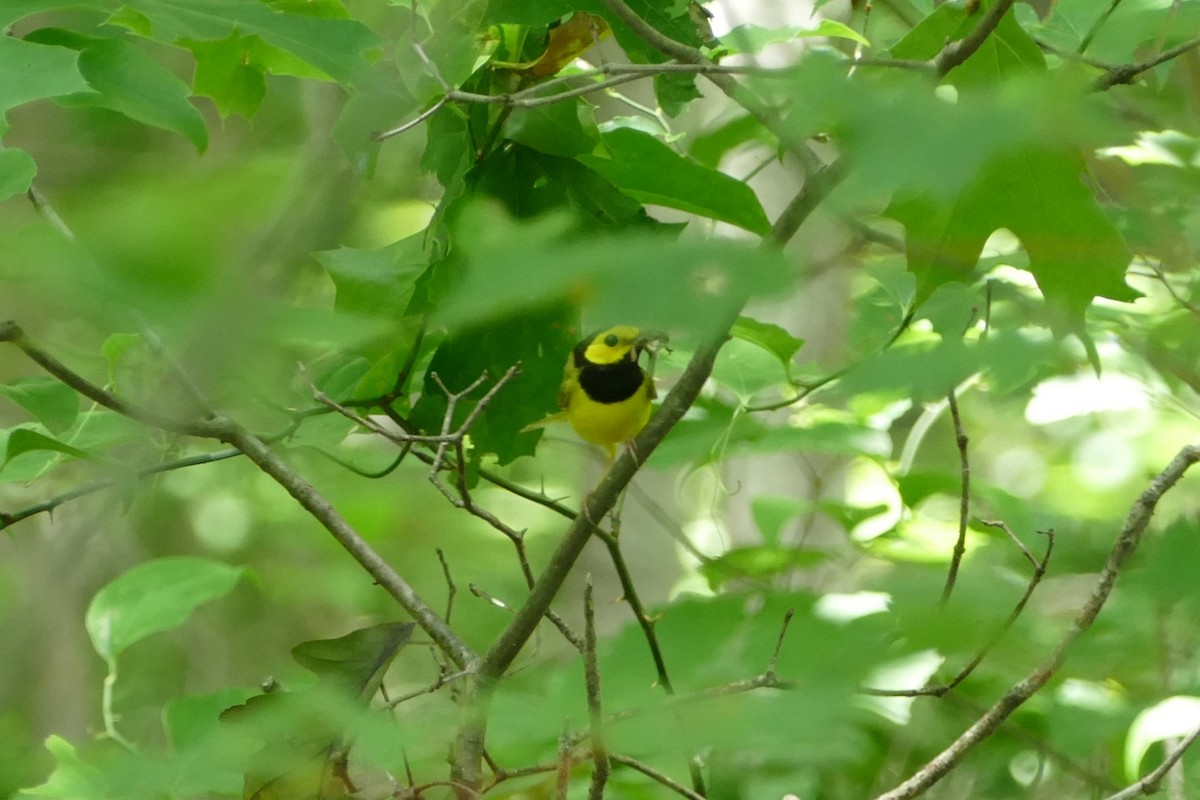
{"points": [[611, 340]]}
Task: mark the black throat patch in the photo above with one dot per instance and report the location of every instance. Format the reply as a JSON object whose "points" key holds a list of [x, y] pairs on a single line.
{"points": [[609, 383]]}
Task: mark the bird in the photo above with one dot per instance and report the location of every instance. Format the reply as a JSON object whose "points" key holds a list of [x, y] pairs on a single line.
{"points": [[605, 394]]}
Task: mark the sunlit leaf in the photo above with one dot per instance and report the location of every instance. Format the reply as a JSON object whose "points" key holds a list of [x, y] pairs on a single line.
{"points": [[1075, 252]]}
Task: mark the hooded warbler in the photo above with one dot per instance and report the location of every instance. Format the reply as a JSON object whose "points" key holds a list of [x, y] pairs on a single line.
{"points": [[605, 393]]}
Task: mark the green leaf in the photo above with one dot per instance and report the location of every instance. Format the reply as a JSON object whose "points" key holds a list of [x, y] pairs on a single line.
{"points": [[649, 171], [562, 129], [31, 71], [770, 337], [1172, 718], [156, 596], [667, 16], [754, 38], [378, 281], [209, 758], [762, 562], [675, 90], [1008, 52], [49, 400], [357, 661], [24, 440], [529, 183], [126, 79], [538, 339], [708, 148], [17, 170], [746, 369], [333, 46], [382, 103], [72, 778], [643, 276], [454, 45], [772, 512], [1075, 252], [227, 73]]}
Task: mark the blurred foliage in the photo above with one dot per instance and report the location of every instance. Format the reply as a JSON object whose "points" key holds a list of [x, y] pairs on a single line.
{"points": [[200, 199]]}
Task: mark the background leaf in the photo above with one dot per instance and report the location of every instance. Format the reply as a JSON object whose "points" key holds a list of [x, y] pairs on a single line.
{"points": [[153, 597]]}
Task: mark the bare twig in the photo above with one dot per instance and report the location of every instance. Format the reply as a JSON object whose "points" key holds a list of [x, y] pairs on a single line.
{"points": [[1178, 298], [957, 52], [1149, 784], [441, 681], [380, 136], [941, 689], [49, 505], [591, 673], [1126, 544], [451, 588], [656, 776], [562, 777], [964, 502], [469, 746], [12, 333], [1086, 41], [1129, 72], [320, 508]]}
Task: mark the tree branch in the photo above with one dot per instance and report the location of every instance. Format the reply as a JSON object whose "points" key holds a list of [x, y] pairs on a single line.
{"points": [[314, 503], [964, 503], [1149, 784], [956, 53], [1127, 73], [591, 673], [1126, 544], [12, 333], [469, 747]]}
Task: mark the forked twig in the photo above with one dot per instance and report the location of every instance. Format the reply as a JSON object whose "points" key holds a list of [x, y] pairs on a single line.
{"points": [[1125, 546]]}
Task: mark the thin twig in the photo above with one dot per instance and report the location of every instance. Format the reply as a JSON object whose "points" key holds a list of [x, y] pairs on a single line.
{"points": [[964, 502], [1128, 73], [1178, 298], [451, 588], [562, 777], [441, 681], [1039, 571], [591, 674], [656, 776], [469, 745], [1149, 784], [1125, 546], [320, 508], [1086, 41], [630, 595], [380, 136], [12, 333], [957, 52]]}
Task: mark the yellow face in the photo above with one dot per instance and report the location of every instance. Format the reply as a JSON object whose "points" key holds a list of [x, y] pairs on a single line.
{"points": [[612, 345]]}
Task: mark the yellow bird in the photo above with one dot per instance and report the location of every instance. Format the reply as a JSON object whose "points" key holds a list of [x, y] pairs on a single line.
{"points": [[605, 393]]}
